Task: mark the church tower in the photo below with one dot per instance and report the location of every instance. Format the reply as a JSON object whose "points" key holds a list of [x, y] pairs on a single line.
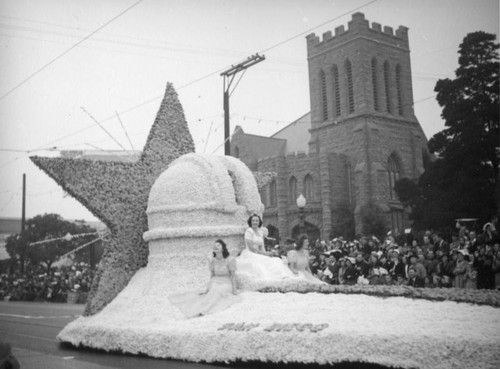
{"points": [[362, 114]]}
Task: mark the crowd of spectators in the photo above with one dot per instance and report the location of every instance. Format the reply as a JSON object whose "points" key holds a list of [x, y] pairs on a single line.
{"points": [[36, 284], [468, 260]]}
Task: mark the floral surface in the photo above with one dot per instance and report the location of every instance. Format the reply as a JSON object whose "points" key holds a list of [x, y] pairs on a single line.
{"points": [[479, 297], [295, 327], [117, 194]]}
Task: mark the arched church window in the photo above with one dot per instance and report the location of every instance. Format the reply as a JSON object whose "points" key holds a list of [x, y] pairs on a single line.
{"points": [[324, 98], [350, 86], [292, 190], [263, 195], [399, 89], [350, 183], [308, 187], [397, 221], [375, 84], [272, 193], [387, 85], [394, 174], [336, 89]]}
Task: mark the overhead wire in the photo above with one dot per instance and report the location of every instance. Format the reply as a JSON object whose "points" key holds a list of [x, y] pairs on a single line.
{"points": [[204, 77], [68, 50]]}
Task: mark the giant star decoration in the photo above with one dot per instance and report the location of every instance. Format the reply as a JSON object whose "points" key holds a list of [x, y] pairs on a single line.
{"points": [[117, 194]]}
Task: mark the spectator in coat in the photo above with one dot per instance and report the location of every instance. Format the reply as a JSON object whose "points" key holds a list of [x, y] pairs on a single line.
{"points": [[350, 273], [417, 265], [460, 271], [413, 279]]}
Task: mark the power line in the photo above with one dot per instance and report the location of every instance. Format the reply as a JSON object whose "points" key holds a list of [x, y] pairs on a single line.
{"points": [[189, 83], [68, 50], [313, 28]]}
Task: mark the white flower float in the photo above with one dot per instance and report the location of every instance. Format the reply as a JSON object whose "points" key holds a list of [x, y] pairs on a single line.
{"points": [[201, 198]]}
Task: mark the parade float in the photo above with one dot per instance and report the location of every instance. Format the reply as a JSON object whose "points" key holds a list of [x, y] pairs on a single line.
{"points": [[190, 200]]}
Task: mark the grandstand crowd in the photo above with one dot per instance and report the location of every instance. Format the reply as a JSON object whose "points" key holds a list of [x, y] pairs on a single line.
{"points": [[36, 284], [467, 260]]}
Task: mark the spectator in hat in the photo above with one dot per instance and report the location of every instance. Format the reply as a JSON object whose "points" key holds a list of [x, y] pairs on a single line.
{"points": [[417, 265], [350, 274], [333, 268], [342, 269], [362, 266], [398, 267], [460, 271]]}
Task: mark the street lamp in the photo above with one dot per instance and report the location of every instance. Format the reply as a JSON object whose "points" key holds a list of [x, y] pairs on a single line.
{"points": [[301, 204]]}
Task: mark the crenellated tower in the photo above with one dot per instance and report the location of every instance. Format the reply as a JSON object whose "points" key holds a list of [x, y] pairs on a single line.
{"points": [[362, 107]]}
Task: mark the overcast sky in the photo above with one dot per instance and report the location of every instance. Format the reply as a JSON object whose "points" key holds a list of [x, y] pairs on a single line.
{"points": [[124, 67]]}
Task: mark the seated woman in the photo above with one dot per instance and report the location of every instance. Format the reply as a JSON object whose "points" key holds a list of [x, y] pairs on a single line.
{"points": [[298, 261], [221, 291], [255, 266]]}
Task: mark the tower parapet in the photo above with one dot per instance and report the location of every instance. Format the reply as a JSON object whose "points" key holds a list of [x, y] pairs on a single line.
{"points": [[357, 27]]}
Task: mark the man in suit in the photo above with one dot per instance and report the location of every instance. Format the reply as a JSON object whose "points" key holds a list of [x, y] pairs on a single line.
{"points": [[440, 243], [414, 280]]}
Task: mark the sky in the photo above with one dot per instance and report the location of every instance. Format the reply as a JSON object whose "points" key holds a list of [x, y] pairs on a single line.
{"points": [[65, 64]]}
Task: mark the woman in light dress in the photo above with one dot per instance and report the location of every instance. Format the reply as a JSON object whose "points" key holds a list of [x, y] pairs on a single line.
{"points": [[298, 261], [221, 291], [254, 264]]}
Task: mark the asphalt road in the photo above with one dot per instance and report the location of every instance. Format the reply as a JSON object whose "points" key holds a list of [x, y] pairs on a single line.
{"points": [[31, 329]]}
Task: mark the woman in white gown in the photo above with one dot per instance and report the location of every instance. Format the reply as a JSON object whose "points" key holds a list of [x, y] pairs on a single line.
{"points": [[298, 261], [221, 291], [255, 267]]}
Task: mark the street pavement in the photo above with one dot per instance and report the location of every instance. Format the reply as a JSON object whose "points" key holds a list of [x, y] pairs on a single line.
{"points": [[31, 329]]}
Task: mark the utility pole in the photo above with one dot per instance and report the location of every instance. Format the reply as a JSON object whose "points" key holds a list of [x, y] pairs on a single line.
{"points": [[23, 212], [229, 75], [23, 218]]}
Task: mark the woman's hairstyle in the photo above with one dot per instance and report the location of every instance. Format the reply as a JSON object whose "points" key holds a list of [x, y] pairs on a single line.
{"points": [[249, 221], [225, 253], [300, 242]]}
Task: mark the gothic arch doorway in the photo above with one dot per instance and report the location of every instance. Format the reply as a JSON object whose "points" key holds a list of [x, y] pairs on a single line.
{"points": [[312, 232], [273, 232]]}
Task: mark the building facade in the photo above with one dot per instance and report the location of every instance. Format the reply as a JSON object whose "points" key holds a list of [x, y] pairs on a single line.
{"points": [[362, 136]]}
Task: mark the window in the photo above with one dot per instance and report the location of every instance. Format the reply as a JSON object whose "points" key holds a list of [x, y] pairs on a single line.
{"points": [[398, 89], [393, 175], [387, 83], [374, 84], [397, 221], [263, 195], [272, 193], [350, 184], [336, 89], [292, 190], [324, 101], [350, 87], [308, 188]]}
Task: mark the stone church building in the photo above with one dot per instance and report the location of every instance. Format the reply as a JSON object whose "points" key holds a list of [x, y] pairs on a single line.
{"points": [[360, 136]]}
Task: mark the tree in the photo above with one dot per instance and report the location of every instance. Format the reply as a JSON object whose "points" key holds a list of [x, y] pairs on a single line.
{"points": [[44, 227], [372, 220], [464, 179]]}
